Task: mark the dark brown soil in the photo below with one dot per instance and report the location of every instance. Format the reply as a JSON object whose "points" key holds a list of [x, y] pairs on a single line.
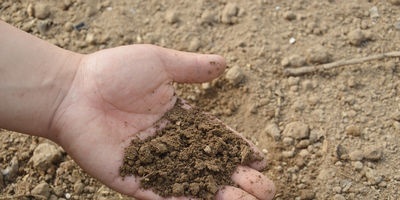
{"points": [[194, 155]]}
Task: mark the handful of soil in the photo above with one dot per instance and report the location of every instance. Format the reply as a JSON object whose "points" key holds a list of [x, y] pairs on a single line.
{"points": [[194, 155]]}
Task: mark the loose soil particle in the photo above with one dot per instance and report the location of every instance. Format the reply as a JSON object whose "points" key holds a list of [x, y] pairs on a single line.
{"points": [[194, 155]]}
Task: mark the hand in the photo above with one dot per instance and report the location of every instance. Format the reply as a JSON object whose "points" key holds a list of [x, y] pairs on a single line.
{"points": [[119, 92]]}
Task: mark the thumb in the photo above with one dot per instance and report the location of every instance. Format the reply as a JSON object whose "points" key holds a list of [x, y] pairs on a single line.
{"points": [[187, 67]]}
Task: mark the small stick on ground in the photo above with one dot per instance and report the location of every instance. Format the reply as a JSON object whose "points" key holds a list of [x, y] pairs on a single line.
{"points": [[304, 70]]}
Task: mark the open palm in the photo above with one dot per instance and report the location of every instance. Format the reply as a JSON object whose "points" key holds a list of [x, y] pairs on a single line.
{"points": [[120, 92]]}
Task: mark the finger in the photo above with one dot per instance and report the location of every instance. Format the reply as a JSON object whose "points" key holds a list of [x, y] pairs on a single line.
{"points": [[187, 67], [233, 193], [254, 182]]}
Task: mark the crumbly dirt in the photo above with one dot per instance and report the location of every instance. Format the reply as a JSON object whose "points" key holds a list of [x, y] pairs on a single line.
{"points": [[194, 155], [327, 135]]}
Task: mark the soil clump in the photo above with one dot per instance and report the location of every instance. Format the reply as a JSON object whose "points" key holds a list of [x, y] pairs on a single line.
{"points": [[194, 155]]}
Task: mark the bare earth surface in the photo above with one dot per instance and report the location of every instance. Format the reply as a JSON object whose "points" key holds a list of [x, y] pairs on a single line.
{"points": [[331, 134]]}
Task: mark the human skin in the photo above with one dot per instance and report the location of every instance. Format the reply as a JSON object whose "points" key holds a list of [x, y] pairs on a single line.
{"points": [[93, 105]]}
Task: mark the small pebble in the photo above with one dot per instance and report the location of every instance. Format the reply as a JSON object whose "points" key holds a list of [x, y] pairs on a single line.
{"points": [[206, 86], [194, 45], [293, 61], [288, 154], [288, 141], [45, 155], [66, 4], [353, 130], [303, 144], [318, 55], [297, 130], [43, 26], [307, 85], [292, 40], [341, 152], [30, 10], [90, 38], [356, 37], [42, 189], [41, 10], [78, 187], [208, 17], [172, 17], [338, 163], [358, 165], [265, 151], [356, 155], [80, 26], [382, 184], [207, 149], [235, 75], [68, 26], [300, 162], [373, 153], [304, 153], [289, 15]]}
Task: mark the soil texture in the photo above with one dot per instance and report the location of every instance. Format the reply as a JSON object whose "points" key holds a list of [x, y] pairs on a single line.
{"points": [[332, 134], [194, 155]]}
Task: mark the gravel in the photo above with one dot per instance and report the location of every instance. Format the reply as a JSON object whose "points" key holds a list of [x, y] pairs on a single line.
{"points": [[296, 130]]}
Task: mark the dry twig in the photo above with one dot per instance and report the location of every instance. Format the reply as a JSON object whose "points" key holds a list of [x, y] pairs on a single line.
{"points": [[304, 70]]}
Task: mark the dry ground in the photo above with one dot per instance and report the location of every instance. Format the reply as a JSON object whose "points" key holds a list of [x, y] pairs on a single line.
{"points": [[328, 135]]}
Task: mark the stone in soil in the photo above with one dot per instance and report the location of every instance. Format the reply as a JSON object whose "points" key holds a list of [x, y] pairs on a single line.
{"points": [[318, 55], [41, 11], [45, 155], [235, 75], [353, 130], [194, 155], [42, 189], [373, 153], [293, 61], [297, 130], [356, 155], [356, 37], [172, 17]]}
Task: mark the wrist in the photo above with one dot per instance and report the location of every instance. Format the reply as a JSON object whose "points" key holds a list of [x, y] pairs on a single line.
{"points": [[35, 77], [62, 81]]}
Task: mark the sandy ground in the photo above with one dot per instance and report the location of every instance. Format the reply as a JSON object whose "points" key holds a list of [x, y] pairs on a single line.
{"points": [[332, 134]]}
